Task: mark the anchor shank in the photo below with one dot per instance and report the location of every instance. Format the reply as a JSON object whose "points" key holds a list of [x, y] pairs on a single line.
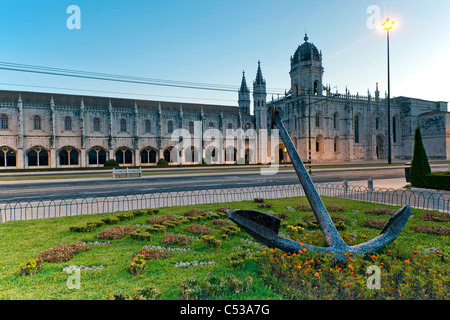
{"points": [[332, 236]]}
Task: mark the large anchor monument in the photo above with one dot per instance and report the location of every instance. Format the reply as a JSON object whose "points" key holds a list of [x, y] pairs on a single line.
{"points": [[264, 227]]}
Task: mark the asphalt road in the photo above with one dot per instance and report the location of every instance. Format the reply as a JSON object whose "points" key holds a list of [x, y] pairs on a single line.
{"points": [[80, 188]]}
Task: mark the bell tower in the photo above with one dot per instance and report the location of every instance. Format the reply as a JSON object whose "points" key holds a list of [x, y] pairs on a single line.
{"points": [[306, 70], [259, 99]]}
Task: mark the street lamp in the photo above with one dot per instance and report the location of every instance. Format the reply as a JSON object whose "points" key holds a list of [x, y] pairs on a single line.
{"points": [[387, 26]]}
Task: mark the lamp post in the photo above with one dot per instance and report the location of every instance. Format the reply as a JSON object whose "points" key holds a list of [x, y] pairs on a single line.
{"points": [[387, 26]]}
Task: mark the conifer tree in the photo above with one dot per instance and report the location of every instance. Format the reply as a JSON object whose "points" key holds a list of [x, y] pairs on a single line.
{"points": [[419, 164]]}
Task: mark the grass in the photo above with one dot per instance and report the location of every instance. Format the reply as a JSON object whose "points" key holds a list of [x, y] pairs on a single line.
{"points": [[24, 240]]}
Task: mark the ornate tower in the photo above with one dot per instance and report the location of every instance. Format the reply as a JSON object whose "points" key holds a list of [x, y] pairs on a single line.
{"points": [[306, 70], [259, 100], [244, 95]]}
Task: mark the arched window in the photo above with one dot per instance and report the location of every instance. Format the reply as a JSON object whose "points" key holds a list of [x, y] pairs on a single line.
{"points": [[168, 155], [357, 129], [337, 144], [97, 156], [318, 120], [377, 123], [191, 127], [170, 127], [319, 143], [96, 122], [37, 157], [192, 155], [123, 125], [37, 123], [296, 90], [148, 126], [124, 156], [4, 125], [211, 125], [230, 126], [7, 157], [68, 157], [148, 156], [68, 124], [316, 87], [336, 121], [247, 126]]}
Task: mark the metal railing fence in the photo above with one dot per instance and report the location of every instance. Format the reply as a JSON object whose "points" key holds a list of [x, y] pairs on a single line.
{"points": [[421, 199]]}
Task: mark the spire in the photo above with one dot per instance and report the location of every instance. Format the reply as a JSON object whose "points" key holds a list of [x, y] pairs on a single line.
{"points": [[259, 77], [244, 87], [306, 37]]}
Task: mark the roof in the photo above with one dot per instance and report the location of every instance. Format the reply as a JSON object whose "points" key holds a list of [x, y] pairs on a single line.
{"points": [[306, 52], [41, 98]]}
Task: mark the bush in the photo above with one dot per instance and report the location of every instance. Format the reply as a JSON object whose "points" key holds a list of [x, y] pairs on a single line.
{"points": [[179, 239], [211, 242], [110, 220], [435, 230], [153, 254], [125, 216], [141, 236], [419, 164], [333, 208], [374, 224], [162, 162], [64, 252], [111, 164], [198, 229], [160, 220], [437, 217], [114, 233], [138, 265], [90, 226], [303, 207], [437, 180], [31, 267]]}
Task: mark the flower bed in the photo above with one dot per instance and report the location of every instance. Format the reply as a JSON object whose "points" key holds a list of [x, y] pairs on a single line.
{"points": [[114, 233], [64, 252]]}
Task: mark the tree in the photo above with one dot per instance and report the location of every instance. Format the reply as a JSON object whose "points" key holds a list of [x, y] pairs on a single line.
{"points": [[419, 164]]}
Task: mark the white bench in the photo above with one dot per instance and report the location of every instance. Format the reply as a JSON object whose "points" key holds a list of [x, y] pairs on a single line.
{"points": [[127, 171]]}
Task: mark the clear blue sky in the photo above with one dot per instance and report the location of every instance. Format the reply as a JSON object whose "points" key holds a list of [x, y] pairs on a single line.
{"points": [[214, 41]]}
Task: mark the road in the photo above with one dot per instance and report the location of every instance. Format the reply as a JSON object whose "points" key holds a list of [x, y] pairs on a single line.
{"points": [[80, 188]]}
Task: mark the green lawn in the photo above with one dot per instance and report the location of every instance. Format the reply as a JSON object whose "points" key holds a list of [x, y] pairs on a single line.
{"points": [[24, 240]]}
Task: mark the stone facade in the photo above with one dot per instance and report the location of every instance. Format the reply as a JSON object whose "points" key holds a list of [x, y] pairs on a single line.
{"points": [[44, 130], [353, 127]]}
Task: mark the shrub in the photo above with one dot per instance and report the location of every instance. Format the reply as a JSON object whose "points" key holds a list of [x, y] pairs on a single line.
{"points": [[138, 212], [162, 162], [380, 211], [156, 228], [435, 230], [111, 164], [229, 231], [333, 208], [114, 233], [179, 239], [148, 293], [137, 265], [153, 254], [64, 252], [419, 164], [222, 223], [151, 211], [160, 220], [263, 205], [198, 229], [110, 220], [31, 267], [259, 200], [238, 259], [194, 212], [437, 180], [125, 216], [141, 236], [433, 216], [90, 226], [303, 207], [374, 224], [211, 242], [191, 289]]}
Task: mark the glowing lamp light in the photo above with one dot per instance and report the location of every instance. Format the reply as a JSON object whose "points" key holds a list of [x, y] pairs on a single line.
{"points": [[388, 25]]}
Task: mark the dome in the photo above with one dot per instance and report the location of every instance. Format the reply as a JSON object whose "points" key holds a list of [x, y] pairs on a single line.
{"points": [[306, 52]]}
